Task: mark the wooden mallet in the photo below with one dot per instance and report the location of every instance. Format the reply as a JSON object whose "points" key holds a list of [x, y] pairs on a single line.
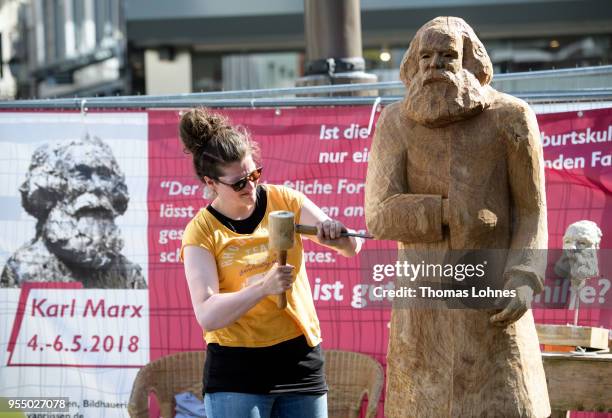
{"points": [[281, 229]]}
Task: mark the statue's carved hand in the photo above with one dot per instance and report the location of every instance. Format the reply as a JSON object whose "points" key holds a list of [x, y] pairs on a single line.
{"points": [[517, 307], [470, 224]]}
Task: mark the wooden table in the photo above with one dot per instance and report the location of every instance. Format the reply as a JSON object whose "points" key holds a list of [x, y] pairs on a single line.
{"points": [[578, 383]]}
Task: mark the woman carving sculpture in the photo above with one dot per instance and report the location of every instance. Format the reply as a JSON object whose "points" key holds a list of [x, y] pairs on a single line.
{"points": [[458, 166], [261, 361]]}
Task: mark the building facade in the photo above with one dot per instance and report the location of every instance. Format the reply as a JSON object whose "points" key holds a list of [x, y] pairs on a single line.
{"points": [[65, 48], [236, 44], [103, 47]]}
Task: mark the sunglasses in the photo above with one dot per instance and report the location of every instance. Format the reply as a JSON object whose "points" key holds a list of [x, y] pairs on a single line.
{"points": [[241, 184]]}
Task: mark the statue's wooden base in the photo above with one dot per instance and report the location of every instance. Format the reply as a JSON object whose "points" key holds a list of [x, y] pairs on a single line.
{"points": [[564, 337]]}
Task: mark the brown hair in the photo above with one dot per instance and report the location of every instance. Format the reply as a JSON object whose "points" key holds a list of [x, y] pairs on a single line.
{"points": [[213, 142], [475, 57]]}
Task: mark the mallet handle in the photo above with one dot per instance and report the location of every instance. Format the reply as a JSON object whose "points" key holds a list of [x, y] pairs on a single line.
{"points": [[312, 230], [282, 298]]}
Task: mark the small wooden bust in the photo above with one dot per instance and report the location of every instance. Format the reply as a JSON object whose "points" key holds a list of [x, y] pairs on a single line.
{"points": [[457, 165]]}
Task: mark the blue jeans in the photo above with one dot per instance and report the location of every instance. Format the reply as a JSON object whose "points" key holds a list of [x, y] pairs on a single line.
{"points": [[247, 405]]}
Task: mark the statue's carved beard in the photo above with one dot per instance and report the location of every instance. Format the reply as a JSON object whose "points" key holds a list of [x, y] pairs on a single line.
{"points": [[438, 98], [87, 237], [582, 265]]}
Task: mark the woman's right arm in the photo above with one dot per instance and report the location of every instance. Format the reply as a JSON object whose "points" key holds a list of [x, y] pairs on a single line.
{"points": [[216, 310]]}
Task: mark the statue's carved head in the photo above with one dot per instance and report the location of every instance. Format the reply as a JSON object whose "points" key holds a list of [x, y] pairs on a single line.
{"points": [[582, 235], [76, 190], [580, 244], [445, 71]]}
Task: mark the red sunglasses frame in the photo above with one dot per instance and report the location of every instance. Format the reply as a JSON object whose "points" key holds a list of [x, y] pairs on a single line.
{"points": [[241, 184]]}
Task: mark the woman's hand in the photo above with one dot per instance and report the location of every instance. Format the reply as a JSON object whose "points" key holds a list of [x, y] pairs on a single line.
{"points": [[278, 279], [328, 232]]}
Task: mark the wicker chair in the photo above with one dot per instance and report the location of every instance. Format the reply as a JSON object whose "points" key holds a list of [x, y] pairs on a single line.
{"points": [[166, 377], [350, 376]]}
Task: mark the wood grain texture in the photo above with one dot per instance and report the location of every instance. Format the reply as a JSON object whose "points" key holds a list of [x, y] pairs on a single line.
{"points": [[454, 137], [573, 336], [579, 383]]}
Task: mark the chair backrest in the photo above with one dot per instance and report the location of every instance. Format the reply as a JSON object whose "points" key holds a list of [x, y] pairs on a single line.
{"points": [[166, 377], [351, 376]]}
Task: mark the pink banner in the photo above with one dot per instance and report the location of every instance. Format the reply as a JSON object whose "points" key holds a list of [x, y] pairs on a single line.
{"points": [[578, 163], [319, 152], [323, 153]]}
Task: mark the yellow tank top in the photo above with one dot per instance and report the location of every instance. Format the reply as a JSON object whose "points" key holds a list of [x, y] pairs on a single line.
{"points": [[242, 260]]}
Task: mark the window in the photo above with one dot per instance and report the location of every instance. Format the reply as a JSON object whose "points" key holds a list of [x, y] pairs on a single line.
{"points": [[260, 71], [206, 72], [1, 61], [102, 19], [78, 17], [48, 18]]}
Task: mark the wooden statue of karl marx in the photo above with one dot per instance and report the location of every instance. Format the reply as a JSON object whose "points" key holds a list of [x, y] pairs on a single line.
{"points": [[457, 165]]}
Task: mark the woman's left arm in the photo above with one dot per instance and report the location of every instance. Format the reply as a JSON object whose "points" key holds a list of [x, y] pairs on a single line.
{"points": [[328, 230]]}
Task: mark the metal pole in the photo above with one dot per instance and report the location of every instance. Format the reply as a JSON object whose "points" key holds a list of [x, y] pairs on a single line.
{"points": [[333, 44]]}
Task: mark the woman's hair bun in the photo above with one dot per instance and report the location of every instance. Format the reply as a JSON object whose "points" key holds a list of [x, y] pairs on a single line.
{"points": [[198, 126], [213, 142]]}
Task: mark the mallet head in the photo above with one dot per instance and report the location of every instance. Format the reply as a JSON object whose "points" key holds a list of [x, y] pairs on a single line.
{"points": [[281, 229]]}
